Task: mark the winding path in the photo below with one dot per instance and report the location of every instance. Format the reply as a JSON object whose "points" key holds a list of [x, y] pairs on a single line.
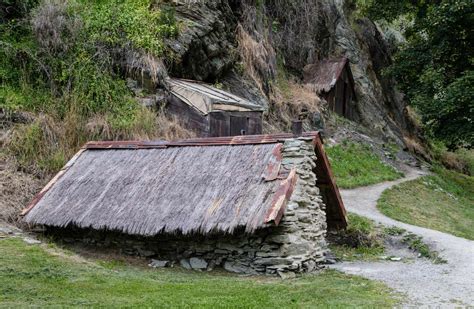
{"points": [[424, 283]]}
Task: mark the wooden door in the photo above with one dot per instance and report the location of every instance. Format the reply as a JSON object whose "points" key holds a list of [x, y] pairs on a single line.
{"points": [[218, 124], [238, 125]]}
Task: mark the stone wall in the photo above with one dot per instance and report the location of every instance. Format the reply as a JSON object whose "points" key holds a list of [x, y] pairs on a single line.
{"points": [[296, 245]]}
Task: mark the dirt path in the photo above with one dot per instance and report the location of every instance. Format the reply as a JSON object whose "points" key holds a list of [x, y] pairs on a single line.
{"points": [[424, 283]]}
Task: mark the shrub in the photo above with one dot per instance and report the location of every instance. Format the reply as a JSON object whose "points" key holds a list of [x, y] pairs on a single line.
{"points": [[59, 60], [117, 22]]}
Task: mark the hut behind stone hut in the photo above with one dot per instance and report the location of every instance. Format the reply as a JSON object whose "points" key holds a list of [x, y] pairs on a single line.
{"points": [[212, 112], [332, 80], [252, 204]]}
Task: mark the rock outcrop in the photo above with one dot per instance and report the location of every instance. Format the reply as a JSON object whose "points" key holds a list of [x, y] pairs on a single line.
{"points": [[205, 48], [218, 36]]}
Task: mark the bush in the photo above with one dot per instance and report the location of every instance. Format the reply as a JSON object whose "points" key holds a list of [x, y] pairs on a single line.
{"points": [[361, 240], [434, 68], [461, 160], [59, 61], [119, 23]]}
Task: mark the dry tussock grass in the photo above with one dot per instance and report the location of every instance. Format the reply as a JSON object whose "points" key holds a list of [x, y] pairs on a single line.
{"points": [[143, 65], [170, 128], [452, 161], [43, 146], [17, 189], [298, 29], [291, 101], [416, 147], [258, 57]]}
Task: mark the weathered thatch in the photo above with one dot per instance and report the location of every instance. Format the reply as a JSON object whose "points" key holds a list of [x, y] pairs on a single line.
{"points": [[322, 76], [189, 186], [151, 190]]}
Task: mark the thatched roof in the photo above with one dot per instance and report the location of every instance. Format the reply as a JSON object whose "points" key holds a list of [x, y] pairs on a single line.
{"points": [[190, 186], [206, 98], [322, 76]]}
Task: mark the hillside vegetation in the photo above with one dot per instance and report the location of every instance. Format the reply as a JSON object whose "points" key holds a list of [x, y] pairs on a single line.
{"points": [[36, 276], [61, 79], [433, 64]]}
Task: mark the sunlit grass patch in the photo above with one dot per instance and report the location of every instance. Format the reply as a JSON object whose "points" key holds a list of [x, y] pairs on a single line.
{"points": [[32, 276], [356, 165], [443, 201]]}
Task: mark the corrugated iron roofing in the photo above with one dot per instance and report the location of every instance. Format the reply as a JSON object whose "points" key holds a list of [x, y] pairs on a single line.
{"points": [[323, 75], [206, 98], [184, 186]]}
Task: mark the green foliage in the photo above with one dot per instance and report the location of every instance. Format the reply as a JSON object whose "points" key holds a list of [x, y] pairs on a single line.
{"points": [[461, 160], [394, 230], [362, 240], [443, 201], [123, 22], [12, 9], [435, 67], [36, 146], [416, 243], [356, 165], [59, 58], [41, 277], [358, 224]]}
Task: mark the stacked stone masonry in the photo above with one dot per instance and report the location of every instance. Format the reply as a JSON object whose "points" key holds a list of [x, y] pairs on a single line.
{"points": [[296, 245]]}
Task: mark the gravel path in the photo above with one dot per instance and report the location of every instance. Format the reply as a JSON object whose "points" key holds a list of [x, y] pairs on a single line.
{"points": [[424, 283]]}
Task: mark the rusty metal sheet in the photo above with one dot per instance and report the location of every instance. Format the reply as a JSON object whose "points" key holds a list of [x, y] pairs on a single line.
{"points": [[324, 74], [211, 141], [273, 167], [51, 183], [325, 173], [124, 144], [281, 198]]}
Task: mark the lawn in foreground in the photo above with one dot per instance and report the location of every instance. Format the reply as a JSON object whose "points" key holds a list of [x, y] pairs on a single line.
{"points": [[32, 276], [355, 165], [443, 201]]}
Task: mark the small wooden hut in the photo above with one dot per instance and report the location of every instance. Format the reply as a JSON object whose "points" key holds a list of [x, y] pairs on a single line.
{"points": [[332, 79], [212, 112]]}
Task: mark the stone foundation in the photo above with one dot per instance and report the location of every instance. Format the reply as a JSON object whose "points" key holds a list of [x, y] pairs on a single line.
{"points": [[296, 245]]}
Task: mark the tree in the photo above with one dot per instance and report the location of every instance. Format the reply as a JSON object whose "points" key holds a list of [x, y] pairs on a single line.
{"points": [[434, 68]]}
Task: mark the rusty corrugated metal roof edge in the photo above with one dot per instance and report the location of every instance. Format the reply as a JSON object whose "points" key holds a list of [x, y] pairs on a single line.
{"points": [[207, 141], [215, 141]]}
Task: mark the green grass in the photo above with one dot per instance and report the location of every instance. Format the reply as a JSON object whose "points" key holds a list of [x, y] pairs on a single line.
{"points": [[416, 243], [32, 276], [362, 253], [362, 240], [443, 201], [355, 165]]}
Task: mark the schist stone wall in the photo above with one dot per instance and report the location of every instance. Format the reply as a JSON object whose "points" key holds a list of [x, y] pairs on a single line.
{"points": [[296, 245]]}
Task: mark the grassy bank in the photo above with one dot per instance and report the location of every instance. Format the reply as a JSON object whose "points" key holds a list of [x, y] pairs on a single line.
{"points": [[355, 165], [362, 240], [35, 276], [443, 201]]}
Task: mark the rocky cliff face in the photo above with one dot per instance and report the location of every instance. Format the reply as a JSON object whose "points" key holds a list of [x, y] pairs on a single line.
{"points": [[205, 49], [240, 43], [380, 106]]}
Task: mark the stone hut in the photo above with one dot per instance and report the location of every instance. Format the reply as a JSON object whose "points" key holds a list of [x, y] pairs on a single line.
{"points": [[250, 204], [332, 80], [212, 112]]}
